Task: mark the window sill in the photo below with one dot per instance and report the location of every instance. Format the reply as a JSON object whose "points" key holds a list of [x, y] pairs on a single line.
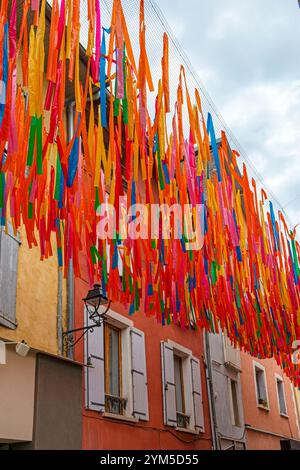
{"points": [[284, 415], [7, 322], [128, 419], [187, 431], [262, 407], [232, 366]]}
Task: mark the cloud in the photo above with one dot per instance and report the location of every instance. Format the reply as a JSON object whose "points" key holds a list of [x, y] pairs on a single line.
{"points": [[246, 55], [229, 23], [266, 116]]}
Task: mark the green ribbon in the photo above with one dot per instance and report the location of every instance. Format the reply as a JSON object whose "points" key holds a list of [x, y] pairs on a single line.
{"points": [[213, 272], [39, 146], [2, 189], [32, 132]]}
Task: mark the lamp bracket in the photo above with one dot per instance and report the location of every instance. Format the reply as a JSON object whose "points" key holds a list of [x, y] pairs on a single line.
{"points": [[71, 338]]}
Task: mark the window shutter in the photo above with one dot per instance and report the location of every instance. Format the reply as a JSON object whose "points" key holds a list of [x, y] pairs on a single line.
{"points": [[197, 394], [9, 252], [139, 375], [94, 376], [2, 353], [168, 381]]}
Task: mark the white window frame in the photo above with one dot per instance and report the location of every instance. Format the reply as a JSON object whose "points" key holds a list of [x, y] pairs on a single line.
{"points": [[186, 355], [231, 403], [279, 378], [134, 381], [124, 325], [257, 365]]}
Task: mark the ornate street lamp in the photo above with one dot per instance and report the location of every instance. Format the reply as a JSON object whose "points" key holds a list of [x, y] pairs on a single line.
{"points": [[94, 300]]}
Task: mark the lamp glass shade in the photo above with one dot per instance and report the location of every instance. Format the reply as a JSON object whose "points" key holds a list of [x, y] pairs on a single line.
{"points": [[94, 296]]}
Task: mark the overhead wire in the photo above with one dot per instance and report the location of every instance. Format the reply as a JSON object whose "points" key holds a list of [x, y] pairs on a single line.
{"points": [[157, 24]]}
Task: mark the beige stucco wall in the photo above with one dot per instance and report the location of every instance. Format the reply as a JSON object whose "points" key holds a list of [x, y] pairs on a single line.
{"points": [[37, 288], [17, 383], [36, 307]]}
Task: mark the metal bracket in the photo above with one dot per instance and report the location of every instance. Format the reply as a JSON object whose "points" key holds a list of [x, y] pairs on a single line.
{"points": [[70, 340]]}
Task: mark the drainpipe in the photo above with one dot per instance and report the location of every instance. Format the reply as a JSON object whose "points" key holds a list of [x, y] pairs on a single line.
{"points": [[59, 311], [211, 396], [60, 348], [70, 104], [70, 303], [70, 278]]}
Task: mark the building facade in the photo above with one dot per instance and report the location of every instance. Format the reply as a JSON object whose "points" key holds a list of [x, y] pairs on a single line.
{"points": [[134, 383], [254, 406], [35, 407], [36, 381], [145, 387], [269, 405], [227, 410], [35, 308]]}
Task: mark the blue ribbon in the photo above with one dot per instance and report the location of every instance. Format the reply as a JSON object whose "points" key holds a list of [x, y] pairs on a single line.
{"points": [[4, 71], [73, 163], [103, 79], [61, 191], [166, 172], [274, 226], [214, 146], [115, 257]]}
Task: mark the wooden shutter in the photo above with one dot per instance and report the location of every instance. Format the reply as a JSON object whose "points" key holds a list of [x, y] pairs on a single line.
{"points": [[168, 382], [232, 357], [2, 353], [139, 375], [9, 252], [197, 394], [94, 376]]}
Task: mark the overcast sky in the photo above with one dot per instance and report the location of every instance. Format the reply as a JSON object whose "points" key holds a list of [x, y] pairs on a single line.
{"points": [[247, 54]]}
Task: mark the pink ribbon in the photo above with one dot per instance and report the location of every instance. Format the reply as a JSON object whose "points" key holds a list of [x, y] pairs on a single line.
{"points": [[120, 74], [35, 5]]}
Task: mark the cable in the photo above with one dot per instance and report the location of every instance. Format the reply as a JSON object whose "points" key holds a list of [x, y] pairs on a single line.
{"points": [[156, 24], [152, 428], [294, 199], [195, 76]]}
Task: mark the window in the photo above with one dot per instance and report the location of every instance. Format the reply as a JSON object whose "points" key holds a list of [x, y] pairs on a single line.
{"points": [[260, 385], [9, 252], [234, 402], [114, 403], [182, 418], [181, 386], [230, 444], [116, 382], [281, 395]]}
